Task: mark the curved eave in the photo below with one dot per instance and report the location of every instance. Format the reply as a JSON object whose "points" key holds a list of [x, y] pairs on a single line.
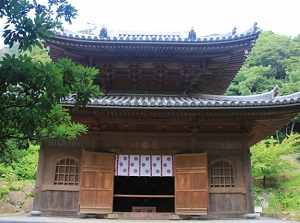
{"points": [[193, 101], [64, 46]]}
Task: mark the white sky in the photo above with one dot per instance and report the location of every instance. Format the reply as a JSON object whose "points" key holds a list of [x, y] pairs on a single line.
{"points": [[207, 17]]}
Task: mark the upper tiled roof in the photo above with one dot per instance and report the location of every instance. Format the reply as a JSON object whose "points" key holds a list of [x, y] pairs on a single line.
{"points": [[158, 63], [125, 36], [191, 101]]}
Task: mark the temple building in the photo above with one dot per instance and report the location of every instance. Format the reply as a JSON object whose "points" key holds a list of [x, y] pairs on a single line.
{"points": [[164, 140]]}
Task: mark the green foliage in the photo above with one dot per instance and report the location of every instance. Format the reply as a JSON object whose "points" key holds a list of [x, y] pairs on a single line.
{"points": [[273, 50], [25, 168], [38, 54], [10, 176], [31, 87], [28, 30], [292, 193], [275, 203], [4, 189], [19, 164], [274, 60], [267, 161], [30, 94], [285, 198], [251, 80]]}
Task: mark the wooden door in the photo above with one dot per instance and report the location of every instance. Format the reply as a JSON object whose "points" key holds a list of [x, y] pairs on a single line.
{"points": [[96, 183], [191, 184]]}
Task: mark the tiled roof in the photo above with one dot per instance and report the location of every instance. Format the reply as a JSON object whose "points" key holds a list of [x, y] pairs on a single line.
{"points": [[191, 101], [161, 37]]}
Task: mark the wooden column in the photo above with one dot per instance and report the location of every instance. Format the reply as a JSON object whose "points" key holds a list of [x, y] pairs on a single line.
{"points": [[248, 176], [39, 180]]}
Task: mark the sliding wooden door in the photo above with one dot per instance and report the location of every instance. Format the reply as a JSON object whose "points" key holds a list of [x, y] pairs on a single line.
{"points": [[96, 184], [191, 184]]}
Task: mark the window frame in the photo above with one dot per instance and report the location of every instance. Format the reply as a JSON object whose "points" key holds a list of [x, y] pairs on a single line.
{"points": [[51, 186], [222, 177]]}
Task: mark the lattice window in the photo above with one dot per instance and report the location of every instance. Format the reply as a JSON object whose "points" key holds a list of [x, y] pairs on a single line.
{"points": [[66, 172], [221, 174]]}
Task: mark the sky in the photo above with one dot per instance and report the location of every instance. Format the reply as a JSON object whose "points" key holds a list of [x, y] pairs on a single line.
{"points": [[207, 17]]}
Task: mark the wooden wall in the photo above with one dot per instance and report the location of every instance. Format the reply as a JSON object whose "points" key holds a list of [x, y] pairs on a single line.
{"points": [[63, 200]]}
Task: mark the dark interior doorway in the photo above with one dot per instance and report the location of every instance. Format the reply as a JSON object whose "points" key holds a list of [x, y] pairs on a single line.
{"points": [[129, 193]]}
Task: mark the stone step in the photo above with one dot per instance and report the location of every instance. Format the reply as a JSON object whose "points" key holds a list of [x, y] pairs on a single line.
{"points": [[144, 215]]}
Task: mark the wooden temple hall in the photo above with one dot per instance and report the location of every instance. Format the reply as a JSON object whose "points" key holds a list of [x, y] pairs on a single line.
{"points": [[164, 140]]}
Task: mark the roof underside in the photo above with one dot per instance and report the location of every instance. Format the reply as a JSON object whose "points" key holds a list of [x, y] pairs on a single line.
{"points": [[256, 115], [257, 123], [168, 66]]}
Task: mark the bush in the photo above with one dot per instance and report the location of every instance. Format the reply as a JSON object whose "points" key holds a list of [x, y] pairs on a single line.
{"points": [[3, 192], [26, 167], [19, 164]]}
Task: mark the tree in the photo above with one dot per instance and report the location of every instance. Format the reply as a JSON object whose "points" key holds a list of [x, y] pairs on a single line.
{"points": [[31, 90], [267, 160], [274, 60], [21, 27]]}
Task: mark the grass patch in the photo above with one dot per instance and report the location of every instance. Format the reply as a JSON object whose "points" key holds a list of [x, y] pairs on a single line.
{"points": [[284, 198]]}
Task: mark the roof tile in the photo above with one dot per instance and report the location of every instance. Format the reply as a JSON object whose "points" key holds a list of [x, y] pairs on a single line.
{"points": [[169, 101]]}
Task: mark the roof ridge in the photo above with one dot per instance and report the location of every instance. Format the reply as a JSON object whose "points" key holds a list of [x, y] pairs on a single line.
{"points": [[165, 36], [270, 95]]}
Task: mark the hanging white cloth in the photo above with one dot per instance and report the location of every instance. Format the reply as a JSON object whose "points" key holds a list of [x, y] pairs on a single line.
{"points": [[134, 165], [144, 165]]}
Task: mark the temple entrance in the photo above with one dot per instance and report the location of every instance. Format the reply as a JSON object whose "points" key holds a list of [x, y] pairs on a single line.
{"points": [[143, 194], [127, 183]]}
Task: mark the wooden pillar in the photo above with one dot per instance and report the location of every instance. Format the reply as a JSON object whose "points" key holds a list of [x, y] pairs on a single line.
{"points": [[39, 180], [248, 176]]}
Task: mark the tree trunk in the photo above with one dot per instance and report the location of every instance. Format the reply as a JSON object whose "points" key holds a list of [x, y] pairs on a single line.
{"points": [[264, 181], [277, 136], [292, 128]]}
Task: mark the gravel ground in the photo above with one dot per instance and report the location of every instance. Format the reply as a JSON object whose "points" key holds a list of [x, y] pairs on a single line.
{"points": [[28, 218]]}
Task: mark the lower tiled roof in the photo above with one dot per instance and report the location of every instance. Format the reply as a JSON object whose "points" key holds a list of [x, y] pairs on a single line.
{"points": [[190, 101]]}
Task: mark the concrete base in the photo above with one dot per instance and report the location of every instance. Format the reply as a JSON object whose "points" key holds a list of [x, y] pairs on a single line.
{"points": [[251, 216], [112, 216], [35, 213], [142, 215]]}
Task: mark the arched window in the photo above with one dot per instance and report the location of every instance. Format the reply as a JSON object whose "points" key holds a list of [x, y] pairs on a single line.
{"points": [[221, 173], [67, 171]]}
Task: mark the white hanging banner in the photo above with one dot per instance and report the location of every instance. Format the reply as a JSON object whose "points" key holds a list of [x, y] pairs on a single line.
{"points": [[156, 166], [145, 166], [167, 166], [134, 165], [123, 165]]}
